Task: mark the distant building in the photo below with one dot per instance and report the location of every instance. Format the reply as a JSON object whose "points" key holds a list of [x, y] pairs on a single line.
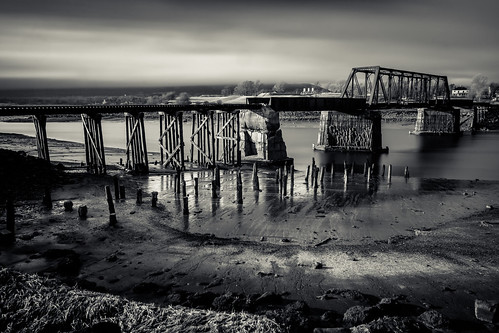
{"points": [[460, 92]]}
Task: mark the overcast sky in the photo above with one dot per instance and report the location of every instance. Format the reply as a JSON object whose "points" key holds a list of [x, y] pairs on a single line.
{"points": [[86, 43]]}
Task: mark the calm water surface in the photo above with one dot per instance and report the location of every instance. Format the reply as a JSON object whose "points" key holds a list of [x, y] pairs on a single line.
{"points": [[466, 157]]}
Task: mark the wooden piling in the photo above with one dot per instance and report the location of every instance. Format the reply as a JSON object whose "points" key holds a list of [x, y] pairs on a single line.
{"points": [[217, 176], [280, 181], [332, 172], [254, 177], [139, 196], [196, 186], [323, 170], [184, 189], [239, 188], [365, 169], [368, 174], [285, 181], [383, 171], [307, 174], [292, 178], [389, 173], [406, 172], [154, 200], [47, 198], [122, 192], [186, 205], [352, 170], [112, 212], [179, 181], [82, 212], [316, 177], [214, 189]]}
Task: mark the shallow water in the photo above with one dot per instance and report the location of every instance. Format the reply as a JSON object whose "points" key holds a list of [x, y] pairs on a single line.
{"points": [[349, 212], [465, 157]]}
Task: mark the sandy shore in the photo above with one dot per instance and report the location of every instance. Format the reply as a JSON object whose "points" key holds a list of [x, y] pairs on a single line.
{"points": [[434, 245]]}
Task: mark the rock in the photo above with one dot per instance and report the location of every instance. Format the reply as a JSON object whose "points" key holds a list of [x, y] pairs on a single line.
{"points": [[433, 320], [331, 330], [358, 314], [68, 206], [487, 310], [331, 317], [318, 265], [391, 325], [489, 207], [285, 240]]}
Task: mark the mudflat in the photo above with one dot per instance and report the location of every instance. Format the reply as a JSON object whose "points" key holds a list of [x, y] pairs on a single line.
{"points": [[429, 243]]}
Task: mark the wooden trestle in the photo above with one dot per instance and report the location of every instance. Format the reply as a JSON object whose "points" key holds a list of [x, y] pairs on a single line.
{"points": [[228, 138], [94, 143], [215, 133], [215, 138], [202, 138], [171, 140], [136, 148], [42, 147]]}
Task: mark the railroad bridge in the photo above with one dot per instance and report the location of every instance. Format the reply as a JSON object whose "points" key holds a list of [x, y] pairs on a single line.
{"points": [[221, 131]]}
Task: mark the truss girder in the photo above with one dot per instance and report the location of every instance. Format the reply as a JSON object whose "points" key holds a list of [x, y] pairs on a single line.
{"points": [[385, 86]]}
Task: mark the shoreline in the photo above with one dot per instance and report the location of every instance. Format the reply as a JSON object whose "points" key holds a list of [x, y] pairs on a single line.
{"points": [[444, 267]]}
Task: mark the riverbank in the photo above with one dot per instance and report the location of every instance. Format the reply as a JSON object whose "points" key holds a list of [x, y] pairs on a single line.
{"points": [[443, 265]]}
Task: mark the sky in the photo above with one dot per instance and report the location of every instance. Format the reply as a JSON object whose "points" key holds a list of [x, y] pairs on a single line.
{"points": [[111, 43]]}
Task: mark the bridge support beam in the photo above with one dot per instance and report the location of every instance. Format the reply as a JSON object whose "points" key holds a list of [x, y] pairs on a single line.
{"points": [[228, 137], [432, 122], [136, 148], [94, 143], [345, 132], [171, 140], [262, 136], [40, 122], [203, 138]]}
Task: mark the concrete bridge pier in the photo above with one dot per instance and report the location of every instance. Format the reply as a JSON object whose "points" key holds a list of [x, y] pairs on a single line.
{"points": [[261, 135], [136, 148], [347, 132], [94, 143], [433, 122], [171, 140], [40, 122]]}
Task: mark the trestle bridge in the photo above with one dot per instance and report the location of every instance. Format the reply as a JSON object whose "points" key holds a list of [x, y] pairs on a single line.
{"points": [[349, 122]]}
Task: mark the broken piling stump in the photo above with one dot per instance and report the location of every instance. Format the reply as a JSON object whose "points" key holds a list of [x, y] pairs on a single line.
{"points": [[112, 212], [154, 200]]}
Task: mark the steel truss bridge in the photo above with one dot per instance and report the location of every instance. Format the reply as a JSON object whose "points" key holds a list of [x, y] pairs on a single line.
{"points": [[381, 86]]}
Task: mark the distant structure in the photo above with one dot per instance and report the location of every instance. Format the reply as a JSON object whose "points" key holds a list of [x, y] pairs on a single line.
{"points": [[460, 92]]}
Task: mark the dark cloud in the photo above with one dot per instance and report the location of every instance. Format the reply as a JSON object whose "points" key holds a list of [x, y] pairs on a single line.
{"points": [[158, 40]]}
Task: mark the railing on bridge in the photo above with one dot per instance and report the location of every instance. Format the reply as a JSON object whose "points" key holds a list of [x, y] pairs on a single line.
{"points": [[386, 86]]}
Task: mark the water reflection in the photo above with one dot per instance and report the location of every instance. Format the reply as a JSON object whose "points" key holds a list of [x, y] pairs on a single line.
{"points": [[434, 143]]}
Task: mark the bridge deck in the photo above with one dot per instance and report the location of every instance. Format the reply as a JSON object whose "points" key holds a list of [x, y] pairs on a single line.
{"points": [[25, 110]]}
